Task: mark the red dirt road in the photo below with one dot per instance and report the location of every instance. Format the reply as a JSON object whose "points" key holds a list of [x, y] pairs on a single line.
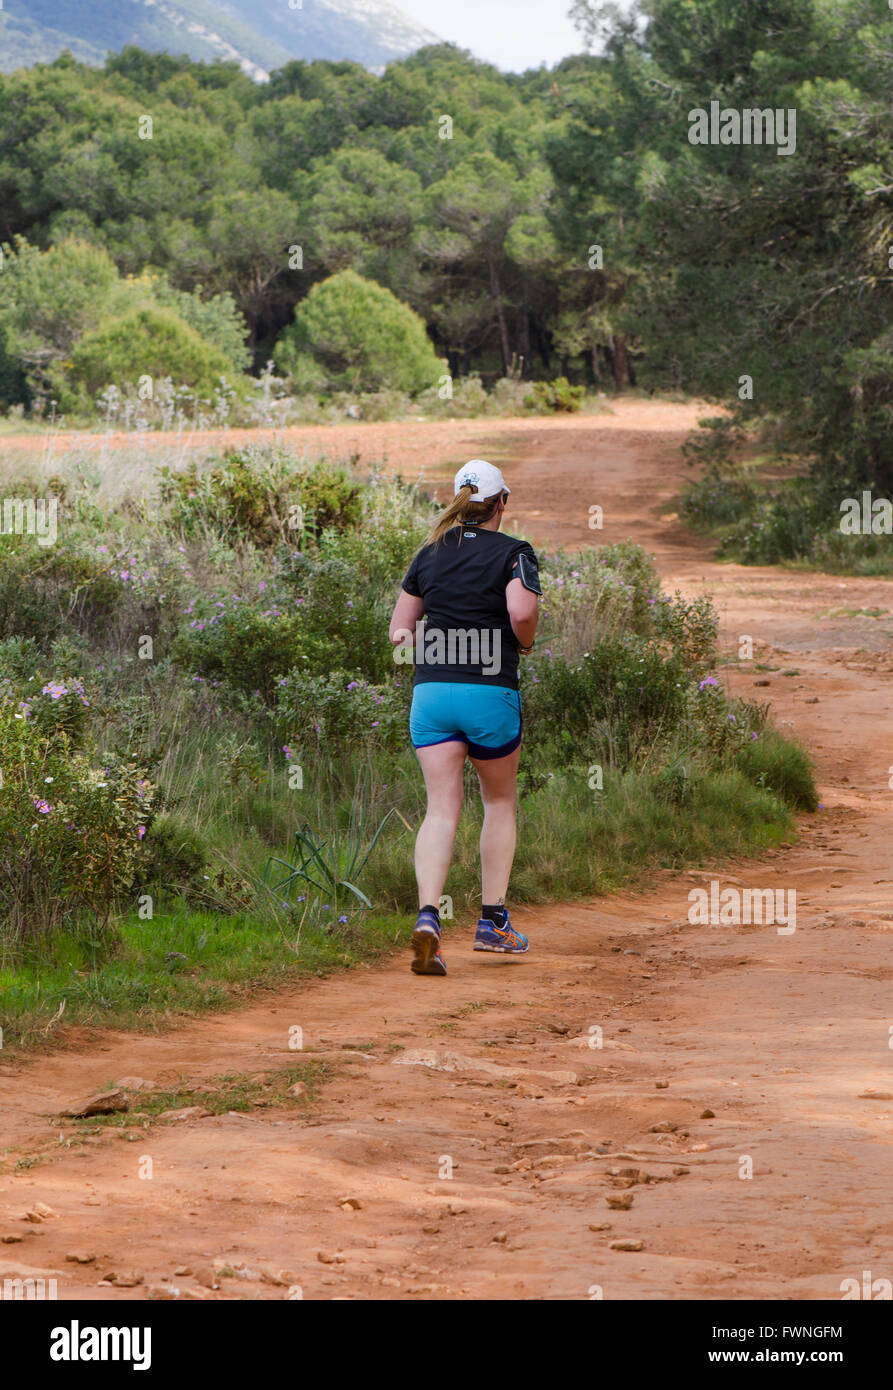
{"points": [[491, 1073]]}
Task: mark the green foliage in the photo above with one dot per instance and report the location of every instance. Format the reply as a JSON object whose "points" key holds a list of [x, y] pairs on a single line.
{"points": [[252, 497], [346, 619], [247, 648], [48, 301], [615, 704], [759, 264], [333, 869], [360, 337], [148, 342], [59, 587], [216, 320], [554, 397], [70, 830], [781, 766], [690, 628], [331, 713], [175, 859]]}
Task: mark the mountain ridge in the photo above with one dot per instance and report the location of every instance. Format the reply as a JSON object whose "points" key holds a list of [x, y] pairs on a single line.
{"points": [[259, 35]]}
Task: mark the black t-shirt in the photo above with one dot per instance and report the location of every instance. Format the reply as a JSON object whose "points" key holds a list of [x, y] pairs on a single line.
{"points": [[468, 636]]}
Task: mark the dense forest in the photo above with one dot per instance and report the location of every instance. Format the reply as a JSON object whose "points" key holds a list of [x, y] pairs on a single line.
{"points": [[556, 222]]}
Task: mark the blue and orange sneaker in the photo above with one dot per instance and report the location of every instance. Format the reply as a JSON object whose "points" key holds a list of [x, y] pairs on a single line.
{"points": [[490, 937], [428, 957]]}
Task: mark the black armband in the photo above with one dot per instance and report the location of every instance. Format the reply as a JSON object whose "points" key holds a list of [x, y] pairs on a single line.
{"points": [[528, 572]]}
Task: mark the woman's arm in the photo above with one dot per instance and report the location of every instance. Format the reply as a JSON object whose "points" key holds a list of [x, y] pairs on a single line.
{"points": [[524, 612], [408, 610]]}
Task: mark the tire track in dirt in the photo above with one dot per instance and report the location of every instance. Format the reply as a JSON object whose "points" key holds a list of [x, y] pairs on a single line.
{"points": [[491, 1071]]}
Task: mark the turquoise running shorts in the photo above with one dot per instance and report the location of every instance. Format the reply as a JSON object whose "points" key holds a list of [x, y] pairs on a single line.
{"points": [[486, 717]]}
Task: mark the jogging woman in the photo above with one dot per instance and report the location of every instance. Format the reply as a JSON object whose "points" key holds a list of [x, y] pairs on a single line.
{"points": [[478, 591]]}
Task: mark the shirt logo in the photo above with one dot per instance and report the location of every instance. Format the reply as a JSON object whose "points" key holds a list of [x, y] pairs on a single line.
{"points": [[469, 535]]}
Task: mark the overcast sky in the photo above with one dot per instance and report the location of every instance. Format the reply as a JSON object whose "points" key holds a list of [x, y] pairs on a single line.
{"points": [[513, 34]]}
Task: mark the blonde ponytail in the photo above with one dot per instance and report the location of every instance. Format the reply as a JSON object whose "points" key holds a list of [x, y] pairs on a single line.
{"points": [[461, 511]]}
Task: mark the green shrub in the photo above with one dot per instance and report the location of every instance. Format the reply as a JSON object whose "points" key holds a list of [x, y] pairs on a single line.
{"points": [[343, 619], [55, 707], [247, 648], [253, 497], [174, 859], [690, 627], [70, 831], [595, 594], [715, 500], [46, 592], [554, 397], [779, 765], [20, 658], [148, 342], [331, 713], [358, 337], [620, 698], [217, 320]]}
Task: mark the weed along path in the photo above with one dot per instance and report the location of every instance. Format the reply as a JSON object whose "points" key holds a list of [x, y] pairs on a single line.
{"points": [[642, 1107]]}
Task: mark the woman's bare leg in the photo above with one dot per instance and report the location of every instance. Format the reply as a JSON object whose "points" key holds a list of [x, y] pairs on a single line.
{"points": [[498, 778], [442, 766]]}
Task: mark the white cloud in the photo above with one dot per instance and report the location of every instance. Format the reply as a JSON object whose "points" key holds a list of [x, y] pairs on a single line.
{"points": [[513, 34]]}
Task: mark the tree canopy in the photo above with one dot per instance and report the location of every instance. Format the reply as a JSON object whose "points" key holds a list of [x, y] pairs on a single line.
{"points": [[552, 222]]}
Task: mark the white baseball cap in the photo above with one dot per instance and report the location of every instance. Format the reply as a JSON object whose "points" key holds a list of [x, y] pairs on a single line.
{"points": [[485, 478]]}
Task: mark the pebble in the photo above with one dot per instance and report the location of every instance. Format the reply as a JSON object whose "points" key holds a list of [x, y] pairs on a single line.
{"points": [[125, 1278], [708, 1115], [39, 1212], [626, 1245], [103, 1103], [619, 1201], [78, 1257], [185, 1112]]}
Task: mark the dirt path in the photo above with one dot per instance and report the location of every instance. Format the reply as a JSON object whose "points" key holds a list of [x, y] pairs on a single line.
{"points": [[491, 1072]]}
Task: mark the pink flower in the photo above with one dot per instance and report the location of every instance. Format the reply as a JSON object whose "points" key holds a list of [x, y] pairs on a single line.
{"points": [[140, 831], [43, 807]]}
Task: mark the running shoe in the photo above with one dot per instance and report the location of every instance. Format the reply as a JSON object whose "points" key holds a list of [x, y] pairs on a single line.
{"points": [[428, 957], [489, 937]]}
